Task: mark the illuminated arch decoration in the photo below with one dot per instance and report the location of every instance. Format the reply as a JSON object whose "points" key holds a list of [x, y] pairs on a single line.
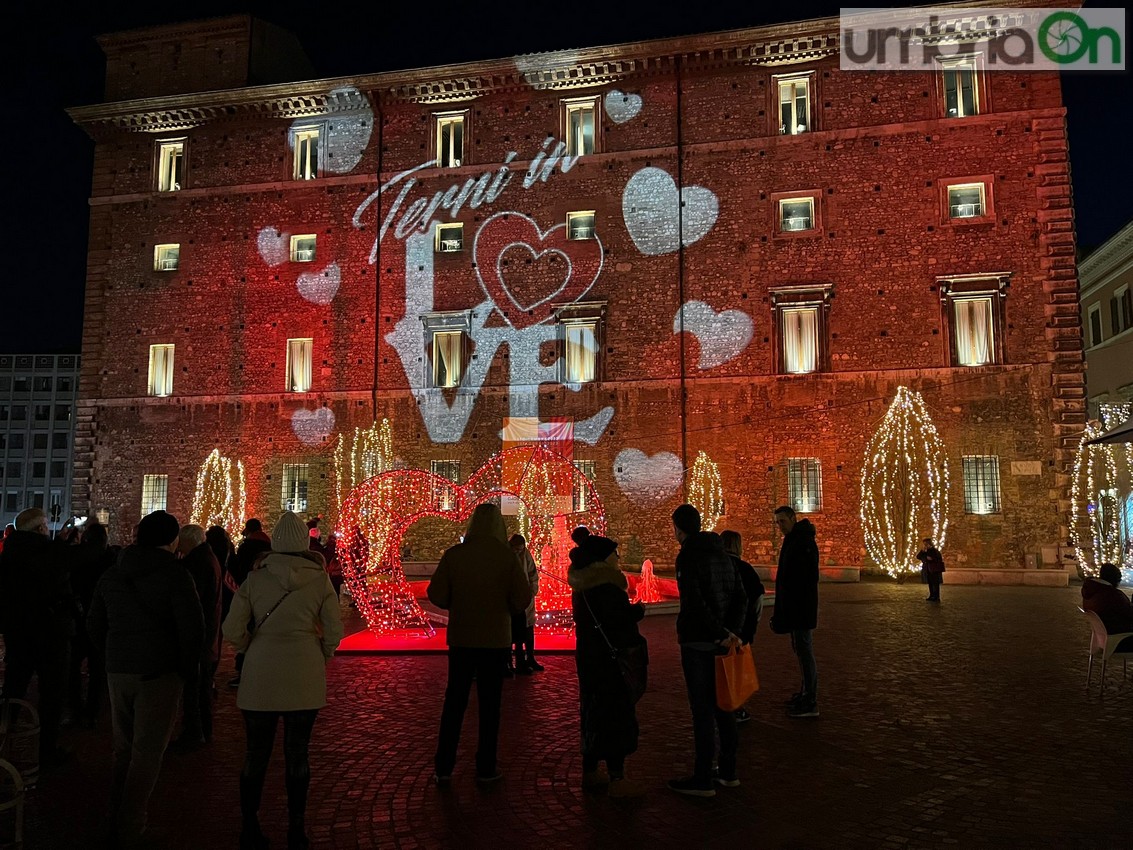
{"points": [[364, 454], [376, 514], [904, 485], [220, 495], [1100, 491]]}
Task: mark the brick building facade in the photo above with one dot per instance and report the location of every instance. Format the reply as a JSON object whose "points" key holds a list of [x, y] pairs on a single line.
{"points": [[843, 234]]}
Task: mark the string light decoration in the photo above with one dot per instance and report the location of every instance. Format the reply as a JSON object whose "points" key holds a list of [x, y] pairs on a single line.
{"points": [[705, 493], [648, 588], [375, 515], [905, 486], [1101, 493], [368, 453], [220, 495]]}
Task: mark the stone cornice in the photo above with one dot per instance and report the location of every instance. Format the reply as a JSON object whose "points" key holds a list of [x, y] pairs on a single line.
{"points": [[1118, 249]]}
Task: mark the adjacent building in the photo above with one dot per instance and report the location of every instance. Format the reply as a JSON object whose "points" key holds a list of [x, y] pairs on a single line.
{"points": [[1107, 316], [717, 243], [38, 401]]}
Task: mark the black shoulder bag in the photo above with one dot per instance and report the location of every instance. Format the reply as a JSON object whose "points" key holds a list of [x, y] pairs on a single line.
{"points": [[632, 661]]}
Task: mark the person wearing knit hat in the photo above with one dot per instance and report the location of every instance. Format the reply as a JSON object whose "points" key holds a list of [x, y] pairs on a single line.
{"points": [[604, 619], [146, 621], [297, 627]]}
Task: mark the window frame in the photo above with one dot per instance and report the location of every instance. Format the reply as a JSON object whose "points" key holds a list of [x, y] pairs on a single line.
{"points": [[814, 197], [155, 487], [294, 249], [451, 321], [778, 81], [439, 239], [163, 253], [579, 491], [1094, 311], [571, 217], [1121, 310], [163, 181], [801, 471], [572, 104], [444, 496], [295, 136], [437, 336], [974, 489], [310, 356], [993, 286], [437, 124], [981, 106], [789, 298], [986, 182], [579, 314], [291, 476], [167, 358]]}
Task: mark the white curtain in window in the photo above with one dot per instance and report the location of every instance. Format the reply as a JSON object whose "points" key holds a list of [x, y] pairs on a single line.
{"points": [[446, 359], [160, 370], [973, 331], [581, 353], [299, 365], [800, 339]]}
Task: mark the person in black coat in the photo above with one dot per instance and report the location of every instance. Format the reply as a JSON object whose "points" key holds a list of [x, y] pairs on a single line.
{"points": [[753, 589], [796, 603], [604, 618], [93, 557], [932, 564], [198, 559], [146, 619]]}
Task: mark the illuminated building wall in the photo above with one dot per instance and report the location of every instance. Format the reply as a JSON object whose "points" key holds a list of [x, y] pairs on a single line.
{"points": [[754, 294]]}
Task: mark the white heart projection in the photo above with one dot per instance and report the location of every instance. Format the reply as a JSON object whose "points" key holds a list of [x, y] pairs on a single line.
{"points": [[622, 107], [722, 336], [646, 479], [320, 287], [348, 123], [650, 207], [312, 426], [274, 246]]}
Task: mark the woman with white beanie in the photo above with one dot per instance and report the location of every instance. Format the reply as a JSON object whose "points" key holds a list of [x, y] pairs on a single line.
{"points": [[285, 619]]}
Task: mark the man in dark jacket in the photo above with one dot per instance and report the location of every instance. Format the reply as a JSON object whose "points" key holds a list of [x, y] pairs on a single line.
{"points": [[37, 612], [796, 603], [713, 606], [932, 562], [198, 559], [146, 618]]}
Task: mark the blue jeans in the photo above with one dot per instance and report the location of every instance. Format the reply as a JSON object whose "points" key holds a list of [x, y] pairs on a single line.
{"points": [[802, 642], [700, 679]]}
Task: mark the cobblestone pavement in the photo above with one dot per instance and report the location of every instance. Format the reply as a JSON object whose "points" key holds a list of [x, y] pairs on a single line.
{"points": [[961, 725]]}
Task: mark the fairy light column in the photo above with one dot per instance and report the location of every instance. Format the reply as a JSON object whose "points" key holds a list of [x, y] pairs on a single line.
{"points": [[1100, 493], [904, 485], [705, 493], [220, 494]]}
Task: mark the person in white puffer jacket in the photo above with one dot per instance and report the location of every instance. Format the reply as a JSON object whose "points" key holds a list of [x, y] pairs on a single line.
{"points": [[285, 618]]}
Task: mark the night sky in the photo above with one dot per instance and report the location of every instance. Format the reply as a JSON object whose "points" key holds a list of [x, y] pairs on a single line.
{"points": [[52, 61]]}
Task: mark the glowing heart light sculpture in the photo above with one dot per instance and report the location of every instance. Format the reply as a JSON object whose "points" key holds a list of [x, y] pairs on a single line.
{"points": [[377, 513]]}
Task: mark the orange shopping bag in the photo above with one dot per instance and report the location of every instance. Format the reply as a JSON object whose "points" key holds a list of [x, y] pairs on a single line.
{"points": [[735, 678]]}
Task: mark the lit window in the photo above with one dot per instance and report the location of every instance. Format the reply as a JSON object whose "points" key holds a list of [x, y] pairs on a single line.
{"points": [[794, 104], [804, 484], [581, 494], [303, 248], [155, 490], [294, 487], [449, 238], [981, 484], [450, 139], [305, 142], [580, 126], [799, 329], [444, 495], [974, 320], [161, 369], [580, 225], [966, 200], [796, 214], [961, 95], [448, 358], [1095, 324], [166, 257], [170, 165], [580, 351], [299, 365]]}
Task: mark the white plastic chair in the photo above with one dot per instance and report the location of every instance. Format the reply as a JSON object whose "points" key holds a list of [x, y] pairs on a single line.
{"points": [[1105, 645]]}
